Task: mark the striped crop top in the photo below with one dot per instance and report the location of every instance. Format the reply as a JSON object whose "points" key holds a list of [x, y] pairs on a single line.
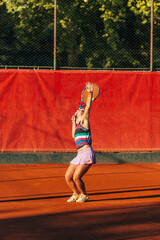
{"points": [[82, 136]]}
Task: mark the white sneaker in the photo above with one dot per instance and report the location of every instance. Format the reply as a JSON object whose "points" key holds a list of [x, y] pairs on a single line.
{"points": [[73, 198], [82, 198]]}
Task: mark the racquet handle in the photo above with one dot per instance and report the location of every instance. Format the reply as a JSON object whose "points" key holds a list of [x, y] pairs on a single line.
{"points": [[76, 113]]}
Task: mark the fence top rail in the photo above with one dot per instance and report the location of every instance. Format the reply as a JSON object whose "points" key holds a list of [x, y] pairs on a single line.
{"points": [[75, 68]]}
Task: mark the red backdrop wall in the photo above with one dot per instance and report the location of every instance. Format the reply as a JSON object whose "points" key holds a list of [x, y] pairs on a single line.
{"points": [[36, 107]]}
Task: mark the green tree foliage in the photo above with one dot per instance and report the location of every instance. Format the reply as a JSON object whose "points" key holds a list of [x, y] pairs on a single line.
{"points": [[33, 30], [7, 37], [142, 7], [90, 33], [80, 33]]}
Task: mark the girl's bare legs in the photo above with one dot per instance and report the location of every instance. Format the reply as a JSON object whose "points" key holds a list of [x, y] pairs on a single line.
{"points": [[78, 174], [69, 178]]}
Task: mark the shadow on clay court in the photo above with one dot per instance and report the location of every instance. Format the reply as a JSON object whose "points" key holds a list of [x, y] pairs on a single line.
{"points": [[136, 222], [125, 205], [147, 192], [50, 196]]}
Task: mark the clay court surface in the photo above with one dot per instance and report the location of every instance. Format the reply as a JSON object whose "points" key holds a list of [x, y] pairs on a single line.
{"points": [[124, 203]]}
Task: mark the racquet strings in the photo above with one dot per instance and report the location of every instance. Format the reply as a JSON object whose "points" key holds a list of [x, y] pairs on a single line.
{"points": [[95, 93], [85, 95]]}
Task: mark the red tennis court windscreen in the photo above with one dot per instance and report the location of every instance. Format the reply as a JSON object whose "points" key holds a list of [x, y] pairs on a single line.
{"points": [[36, 108]]}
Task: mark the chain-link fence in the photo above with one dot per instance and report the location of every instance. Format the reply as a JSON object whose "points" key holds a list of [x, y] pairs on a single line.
{"points": [[80, 34]]}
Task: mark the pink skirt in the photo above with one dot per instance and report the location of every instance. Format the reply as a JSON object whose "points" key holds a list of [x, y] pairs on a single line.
{"points": [[85, 156]]}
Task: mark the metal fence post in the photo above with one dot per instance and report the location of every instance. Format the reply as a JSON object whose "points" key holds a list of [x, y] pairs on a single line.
{"points": [[55, 32], [151, 38]]}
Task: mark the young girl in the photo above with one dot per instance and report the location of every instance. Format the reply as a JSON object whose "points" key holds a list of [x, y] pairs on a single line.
{"points": [[85, 155]]}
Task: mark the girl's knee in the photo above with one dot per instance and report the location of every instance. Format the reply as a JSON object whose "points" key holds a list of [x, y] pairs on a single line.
{"points": [[68, 177], [76, 178]]}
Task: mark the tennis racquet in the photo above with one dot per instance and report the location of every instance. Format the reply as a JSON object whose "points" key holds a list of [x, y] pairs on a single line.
{"points": [[84, 95]]}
